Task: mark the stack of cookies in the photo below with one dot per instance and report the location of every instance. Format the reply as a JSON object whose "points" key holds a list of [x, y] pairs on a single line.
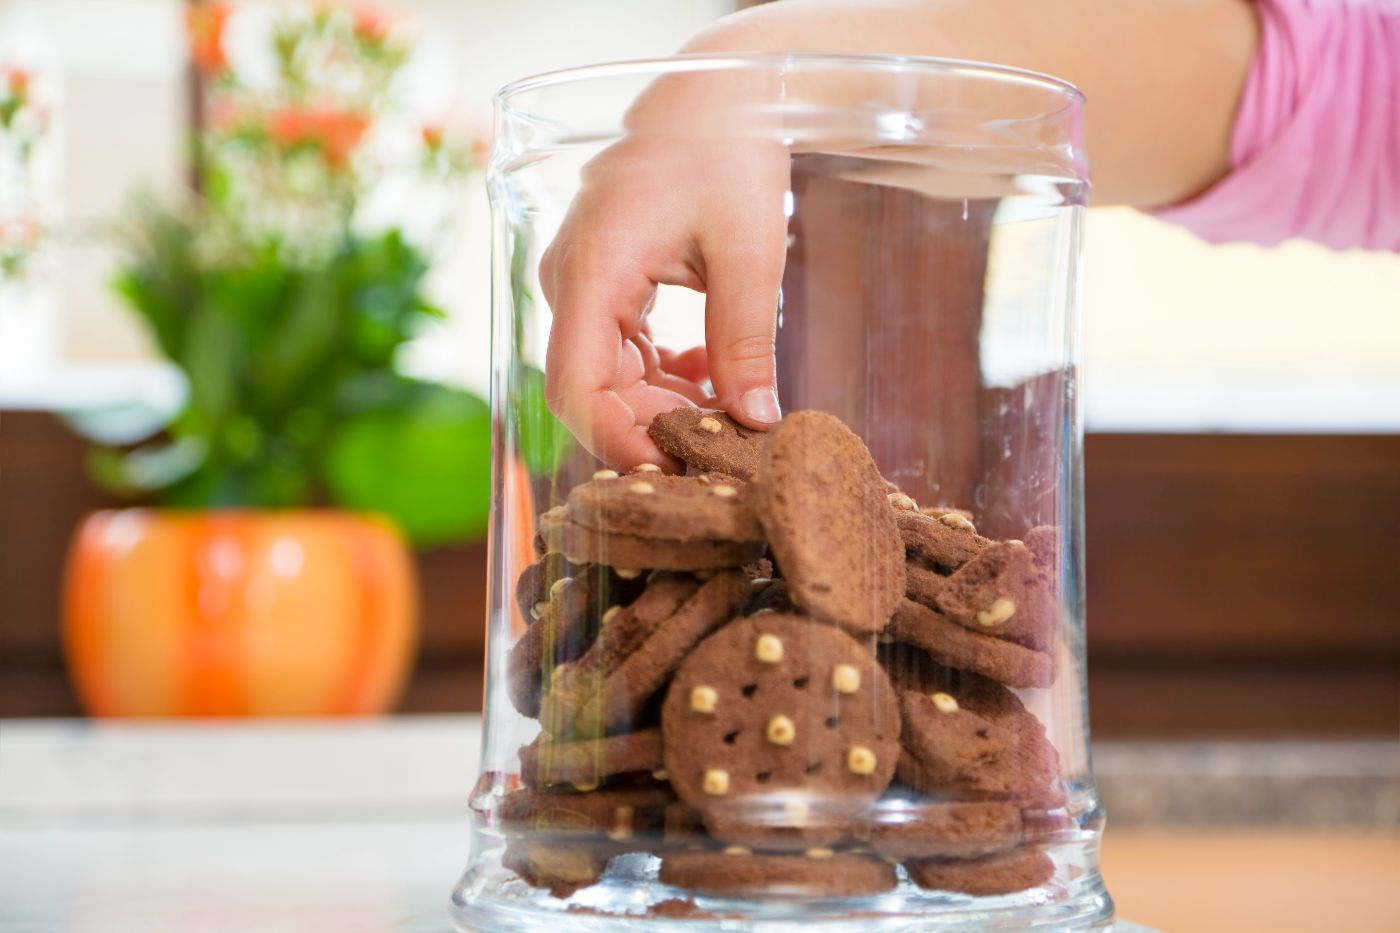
{"points": [[780, 675]]}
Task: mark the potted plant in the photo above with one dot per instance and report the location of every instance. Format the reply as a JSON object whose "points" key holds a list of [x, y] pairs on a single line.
{"points": [[274, 576], [27, 336]]}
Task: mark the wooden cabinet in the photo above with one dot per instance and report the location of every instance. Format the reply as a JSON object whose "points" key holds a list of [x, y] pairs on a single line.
{"points": [[1244, 585]]}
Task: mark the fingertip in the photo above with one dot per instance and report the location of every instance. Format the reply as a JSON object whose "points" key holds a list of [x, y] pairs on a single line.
{"points": [[758, 408]]}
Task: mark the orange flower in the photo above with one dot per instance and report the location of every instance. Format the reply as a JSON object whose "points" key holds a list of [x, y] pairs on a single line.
{"points": [[205, 23], [21, 232], [432, 134], [481, 150], [371, 25], [335, 132], [225, 115], [18, 79]]}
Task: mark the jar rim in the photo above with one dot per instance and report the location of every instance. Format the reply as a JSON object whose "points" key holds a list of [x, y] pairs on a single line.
{"points": [[857, 61]]}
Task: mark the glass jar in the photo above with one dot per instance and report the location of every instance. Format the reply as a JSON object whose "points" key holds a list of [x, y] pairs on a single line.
{"points": [[831, 672]]}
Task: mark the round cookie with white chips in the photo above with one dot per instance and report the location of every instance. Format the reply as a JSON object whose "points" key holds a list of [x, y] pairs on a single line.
{"points": [[779, 729]]}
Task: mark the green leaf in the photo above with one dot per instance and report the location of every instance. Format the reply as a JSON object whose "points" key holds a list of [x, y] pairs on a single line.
{"points": [[254, 292], [162, 279], [543, 442], [425, 462], [304, 337], [386, 305], [211, 358]]}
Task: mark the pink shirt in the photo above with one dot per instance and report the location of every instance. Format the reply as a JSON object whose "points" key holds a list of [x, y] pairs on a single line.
{"points": [[1316, 145]]}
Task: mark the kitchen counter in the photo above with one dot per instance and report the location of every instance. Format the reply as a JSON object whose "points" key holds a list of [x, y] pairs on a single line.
{"points": [[359, 827]]}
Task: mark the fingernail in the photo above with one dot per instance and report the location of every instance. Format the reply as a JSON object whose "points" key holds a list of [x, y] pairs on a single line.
{"points": [[761, 405]]}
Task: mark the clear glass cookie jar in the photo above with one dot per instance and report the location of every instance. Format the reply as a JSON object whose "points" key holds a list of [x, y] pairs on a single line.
{"points": [[831, 671]]}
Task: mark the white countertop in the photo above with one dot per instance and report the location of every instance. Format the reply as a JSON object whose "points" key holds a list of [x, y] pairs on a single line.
{"points": [[300, 827], [272, 827], [230, 877]]}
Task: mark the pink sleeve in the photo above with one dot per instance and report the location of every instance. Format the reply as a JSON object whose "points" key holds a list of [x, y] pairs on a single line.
{"points": [[1316, 145]]}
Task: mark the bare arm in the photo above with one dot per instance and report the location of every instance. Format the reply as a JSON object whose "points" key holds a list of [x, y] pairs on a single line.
{"points": [[1162, 78]]}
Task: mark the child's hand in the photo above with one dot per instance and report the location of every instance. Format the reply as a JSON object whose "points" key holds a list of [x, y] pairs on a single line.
{"points": [[693, 195], [665, 207]]}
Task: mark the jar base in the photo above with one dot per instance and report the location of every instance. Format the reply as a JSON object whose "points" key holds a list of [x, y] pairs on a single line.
{"points": [[491, 898]]}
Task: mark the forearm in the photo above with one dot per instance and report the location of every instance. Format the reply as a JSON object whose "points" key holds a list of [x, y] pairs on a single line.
{"points": [[1163, 77]]}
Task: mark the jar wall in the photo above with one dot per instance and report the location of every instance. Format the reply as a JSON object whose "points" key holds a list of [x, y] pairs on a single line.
{"points": [[929, 306]]}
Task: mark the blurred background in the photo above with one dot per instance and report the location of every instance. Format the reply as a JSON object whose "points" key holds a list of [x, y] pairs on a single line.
{"points": [[314, 171]]}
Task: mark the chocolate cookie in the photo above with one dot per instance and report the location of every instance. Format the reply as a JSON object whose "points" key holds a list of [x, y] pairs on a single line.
{"points": [[1003, 873], [817, 873], [630, 553], [940, 830], [708, 441], [571, 685], [1044, 544], [562, 869], [770, 597], [944, 541], [683, 825], [779, 730], [825, 508], [1005, 593], [967, 737], [535, 581], [953, 645], [938, 511], [566, 627], [759, 571], [617, 816], [585, 764], [923, 585], [634, 655], [673, 508], [680, 908]]}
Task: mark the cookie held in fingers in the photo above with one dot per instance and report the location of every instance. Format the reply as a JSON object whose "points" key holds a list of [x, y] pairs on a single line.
{"points": [[673, 508], [585, 764], [958, 647], [817, 873], [1003, 873], [779, 730], [708, 441], [826, 511], [630, 553]]}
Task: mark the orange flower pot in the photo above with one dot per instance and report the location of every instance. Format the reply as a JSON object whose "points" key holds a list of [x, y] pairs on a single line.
{"points": [[238, 613]]}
